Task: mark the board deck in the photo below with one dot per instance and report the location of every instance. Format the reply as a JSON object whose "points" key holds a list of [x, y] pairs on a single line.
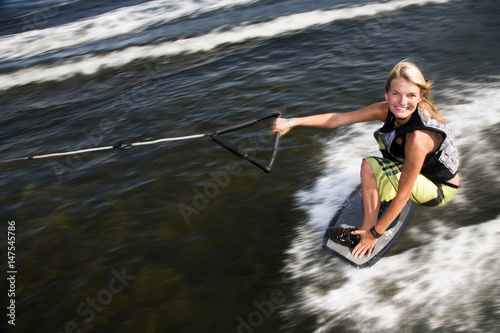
{"points": [[351, 214]]}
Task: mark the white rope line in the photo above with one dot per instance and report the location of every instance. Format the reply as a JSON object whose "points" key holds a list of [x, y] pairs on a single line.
{"points": [[119, 145], [72, 152], [168, 139]]}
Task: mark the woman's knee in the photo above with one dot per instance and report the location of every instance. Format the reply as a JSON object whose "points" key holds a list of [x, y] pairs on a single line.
{"points": [[366, 170]]}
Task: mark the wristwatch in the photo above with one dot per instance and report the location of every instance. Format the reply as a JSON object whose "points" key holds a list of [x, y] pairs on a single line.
{"points": [[375, 232], [289, 122]]}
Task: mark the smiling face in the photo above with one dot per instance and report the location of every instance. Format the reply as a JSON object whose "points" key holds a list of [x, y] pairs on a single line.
{"points": [[403, 97]]}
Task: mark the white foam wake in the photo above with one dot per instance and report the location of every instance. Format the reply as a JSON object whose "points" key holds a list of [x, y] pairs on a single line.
{"points": [[466, 119], [119, 22], [443, 283], [91, 64]]}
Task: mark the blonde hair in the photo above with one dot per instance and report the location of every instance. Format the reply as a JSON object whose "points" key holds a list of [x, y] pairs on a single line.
{"points": [[409, 71]]}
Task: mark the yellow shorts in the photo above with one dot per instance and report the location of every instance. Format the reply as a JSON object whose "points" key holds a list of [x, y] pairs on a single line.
{"points": [[425, 192]]}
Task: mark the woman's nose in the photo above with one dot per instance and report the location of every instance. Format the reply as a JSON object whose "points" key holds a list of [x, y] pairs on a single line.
{"points": [[403, 100]]}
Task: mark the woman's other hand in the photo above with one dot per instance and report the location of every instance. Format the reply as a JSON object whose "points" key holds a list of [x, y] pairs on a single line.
{"points": [[365, 245]]}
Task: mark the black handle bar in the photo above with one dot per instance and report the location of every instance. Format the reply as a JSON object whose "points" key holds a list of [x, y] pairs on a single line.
{"points": [[242, 153], [244, 124]]}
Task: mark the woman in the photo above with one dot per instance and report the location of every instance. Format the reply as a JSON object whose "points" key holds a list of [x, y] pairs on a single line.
{"points": [[420, 161]]}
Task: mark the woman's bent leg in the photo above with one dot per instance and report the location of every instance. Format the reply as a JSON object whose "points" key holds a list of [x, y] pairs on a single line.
{"points": [[371, 197]]}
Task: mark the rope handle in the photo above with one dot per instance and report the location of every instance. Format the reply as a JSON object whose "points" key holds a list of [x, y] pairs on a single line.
{"points": [[242, 153]]}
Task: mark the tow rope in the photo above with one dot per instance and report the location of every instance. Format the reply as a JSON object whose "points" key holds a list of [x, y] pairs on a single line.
{"points": [[215, 135]]}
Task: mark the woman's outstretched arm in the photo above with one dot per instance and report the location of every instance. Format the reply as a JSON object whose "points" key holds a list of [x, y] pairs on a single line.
{"points": [[377, 111]]}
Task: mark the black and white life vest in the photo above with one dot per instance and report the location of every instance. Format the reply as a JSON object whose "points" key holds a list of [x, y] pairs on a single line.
{"points": [[439, 166]]}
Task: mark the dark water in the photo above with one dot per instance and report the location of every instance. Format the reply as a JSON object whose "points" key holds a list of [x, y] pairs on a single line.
{"points": [[184, 236]]}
